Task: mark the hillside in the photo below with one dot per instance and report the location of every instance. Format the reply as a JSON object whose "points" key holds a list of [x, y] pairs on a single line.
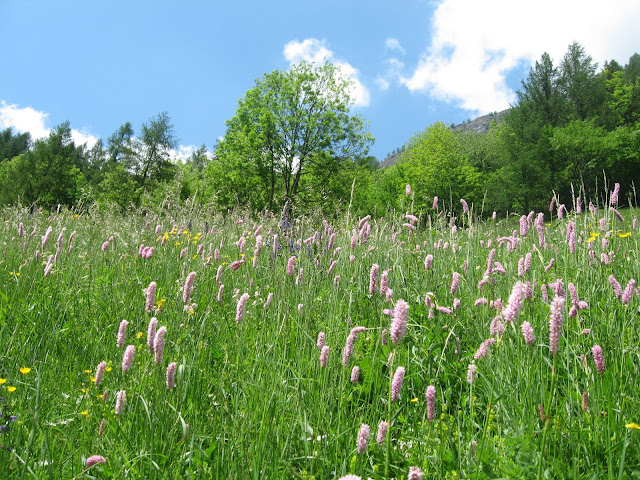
{"points": [[478, 125]]}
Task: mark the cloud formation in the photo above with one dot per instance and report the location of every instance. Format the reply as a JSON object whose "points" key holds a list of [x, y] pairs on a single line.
{"points": [[474, 45], [28, 119], [393, 44], [313, 50]]}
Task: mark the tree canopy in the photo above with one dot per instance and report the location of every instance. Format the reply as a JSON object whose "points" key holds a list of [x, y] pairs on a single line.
{"points": [[290, 124]]}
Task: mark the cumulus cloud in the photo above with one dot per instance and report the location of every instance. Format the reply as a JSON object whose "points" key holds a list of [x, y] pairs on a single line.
{"points": [[313, 50], [474, 45], [28, 119]]}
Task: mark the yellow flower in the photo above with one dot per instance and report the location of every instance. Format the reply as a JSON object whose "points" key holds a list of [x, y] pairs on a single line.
{"points": [[88, 371], [25, 370], [624, 235], [3, 381], [161, 303], [414, 400], [85, 413], [633, 425], [594, 234], [194, 257], [92, 379], [139, 335], [84, 390], [590, 239], [75, 215], [107, 369], [11, 389]]}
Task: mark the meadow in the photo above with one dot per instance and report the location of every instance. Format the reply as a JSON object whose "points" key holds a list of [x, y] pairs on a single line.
{"points": [[183, 344]]}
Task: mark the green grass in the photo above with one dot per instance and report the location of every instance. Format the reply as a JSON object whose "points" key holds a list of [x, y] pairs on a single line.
{"points": [[252, 400]]}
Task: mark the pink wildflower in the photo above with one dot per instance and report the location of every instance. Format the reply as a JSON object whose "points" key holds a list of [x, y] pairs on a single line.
{"points": [[355, 374], [127, 358], [320, 341], [151, 333], [188, 285], [382, 432], [290, 265], [627, 295], [151, 297], [555, 323], [614, 194], [121, 398], [373, 279], [399, 323], [396, 384], [122, 333], [435, 203], [431, 402], [240, 308], [171, 375], [617, 288], [471, 373], [527, 332], [414, 474], [95, 459], [324, 356], [598, 358], [158, 344], [363, 437], [100, 372], [455, 282], [428, 261]]}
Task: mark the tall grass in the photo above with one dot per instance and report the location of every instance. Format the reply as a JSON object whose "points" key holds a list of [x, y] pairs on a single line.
{"points": [[252, 399]]}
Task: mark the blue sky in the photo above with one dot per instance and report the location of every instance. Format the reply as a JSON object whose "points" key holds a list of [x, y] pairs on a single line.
{"points": [[414, 62]]}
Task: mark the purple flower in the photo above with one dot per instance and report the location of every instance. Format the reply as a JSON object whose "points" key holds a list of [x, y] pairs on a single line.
{"points": [[527, 332], [428, 261], [290, 265], [431, 402], [355, 374], [324, 356], [188, 285], [240, 308], [320, 342], [382, 432], [95, 459], [151, 332], [122, 333], [455, 282], [121, 398], [363, 437], [471, 373], [414, 474], [598, 358], [399, 323], [373, 278], [396, 384], [151, 297], [171, 375], [158, 344], [555, 323], [127, 358], [100, 372], [614, 194]]}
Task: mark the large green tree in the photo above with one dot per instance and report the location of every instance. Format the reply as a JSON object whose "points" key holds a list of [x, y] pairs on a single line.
{"points": [[286, 127]]}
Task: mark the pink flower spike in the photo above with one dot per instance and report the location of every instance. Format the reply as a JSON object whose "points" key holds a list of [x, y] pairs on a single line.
{"points": [[122, 333], [431, 402], [188, 285], [382, 432], [324, 356], [363, 438], [95, 459], [127, 358], [171, 375], [414, 474], [396, 384], [598, 358]]}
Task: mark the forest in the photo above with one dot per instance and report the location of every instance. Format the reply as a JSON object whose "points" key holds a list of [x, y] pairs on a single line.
{"points": [[294, 144]]}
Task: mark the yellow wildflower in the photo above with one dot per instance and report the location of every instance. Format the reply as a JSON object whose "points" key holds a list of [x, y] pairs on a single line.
{"points": [[633, 425], [85, 413], [107, 369], [11, 389], [139, 334], [624, 235], [3, 381], [25, 370], [414, 400], [88, 371]]}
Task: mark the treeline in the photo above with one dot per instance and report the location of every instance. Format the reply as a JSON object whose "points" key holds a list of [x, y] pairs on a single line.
{"points": [[288, 146], [573, 126]]}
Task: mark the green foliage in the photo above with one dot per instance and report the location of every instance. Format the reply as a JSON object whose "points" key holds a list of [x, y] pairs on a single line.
{"points": [[435, 165], [291, 124]]}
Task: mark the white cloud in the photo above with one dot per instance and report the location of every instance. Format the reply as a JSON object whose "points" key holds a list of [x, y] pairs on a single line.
{"points": [[28, 119], [475, 44], [393, 44], [315, 51], [383, 83], [183, 152]]}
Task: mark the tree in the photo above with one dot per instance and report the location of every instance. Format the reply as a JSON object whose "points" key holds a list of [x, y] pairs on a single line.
{"points": [[13, 145], [288, 122]]}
